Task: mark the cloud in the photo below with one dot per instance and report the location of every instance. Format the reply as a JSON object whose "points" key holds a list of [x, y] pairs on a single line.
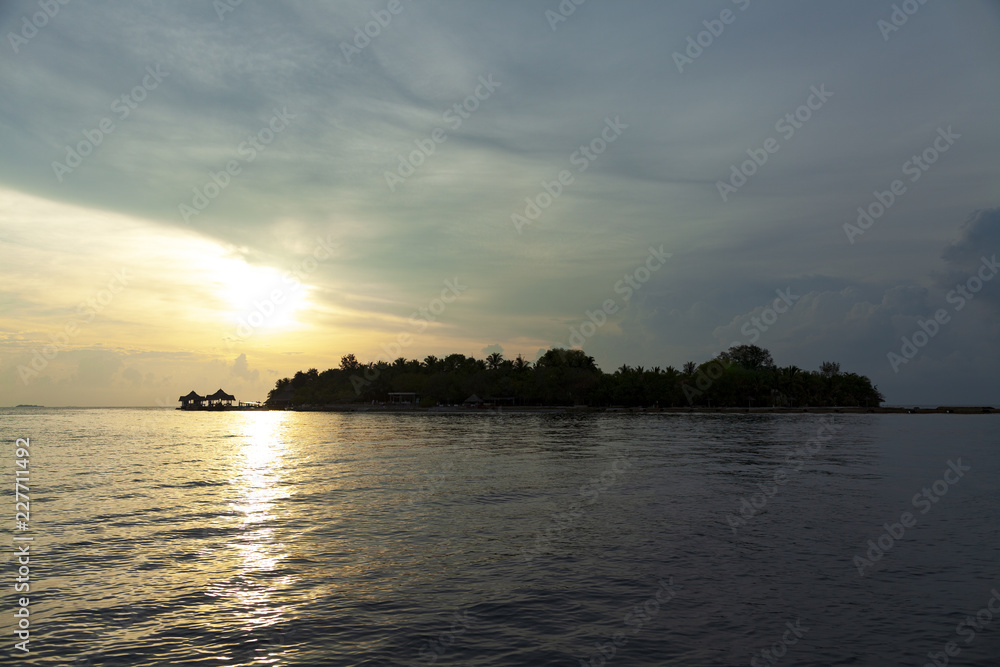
{"points": [[95, 369], [133, 376], [980, 234], [241, 369], [979, 240], [324, 177]]}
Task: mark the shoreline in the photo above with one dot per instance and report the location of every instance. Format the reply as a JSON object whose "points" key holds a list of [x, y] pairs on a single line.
{"points": [[556, 409], [960, 410]]}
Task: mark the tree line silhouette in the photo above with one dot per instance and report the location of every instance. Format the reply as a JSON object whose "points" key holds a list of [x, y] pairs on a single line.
{"points": [[744, 375]]}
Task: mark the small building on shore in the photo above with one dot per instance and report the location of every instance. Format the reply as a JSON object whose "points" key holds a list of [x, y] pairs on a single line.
{"points": [[283, 399], [403, 398]]}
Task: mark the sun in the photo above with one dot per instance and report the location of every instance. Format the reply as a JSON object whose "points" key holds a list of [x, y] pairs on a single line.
{"points": [[260, 298]]}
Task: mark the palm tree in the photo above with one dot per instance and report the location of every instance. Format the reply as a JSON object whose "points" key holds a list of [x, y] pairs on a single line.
{"points": [[494, 360], [521, 364], [430, 362], [790, 372], [690, 367]]}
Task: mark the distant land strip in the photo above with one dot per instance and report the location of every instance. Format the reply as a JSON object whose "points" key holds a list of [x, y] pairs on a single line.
{"points": [[742, 377]]}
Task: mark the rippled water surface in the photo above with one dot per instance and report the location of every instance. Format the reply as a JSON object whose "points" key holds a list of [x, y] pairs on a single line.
{"points": [[273, 538]]}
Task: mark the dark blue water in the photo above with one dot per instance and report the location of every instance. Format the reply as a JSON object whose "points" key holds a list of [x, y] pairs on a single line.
{"points": [[166, 538]]}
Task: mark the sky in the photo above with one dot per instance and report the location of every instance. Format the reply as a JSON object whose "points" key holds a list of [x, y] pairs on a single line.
{"points": [[219, 194]]}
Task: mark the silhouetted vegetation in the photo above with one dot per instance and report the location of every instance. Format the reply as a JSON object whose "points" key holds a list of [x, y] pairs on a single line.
{"points": [[744, 375]]}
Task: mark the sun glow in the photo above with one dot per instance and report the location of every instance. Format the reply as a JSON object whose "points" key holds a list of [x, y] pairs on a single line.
{"points": [[259, 298]]}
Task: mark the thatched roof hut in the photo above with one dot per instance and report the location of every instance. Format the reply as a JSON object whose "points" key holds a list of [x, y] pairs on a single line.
{"points": [[191, 400], [221, 397]]}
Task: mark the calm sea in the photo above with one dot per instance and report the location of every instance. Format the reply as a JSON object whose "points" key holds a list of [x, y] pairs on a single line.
{"points": [[273, 538]]}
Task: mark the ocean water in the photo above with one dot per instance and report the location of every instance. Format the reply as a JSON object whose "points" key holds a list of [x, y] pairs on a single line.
{"points": [[280, 538]]}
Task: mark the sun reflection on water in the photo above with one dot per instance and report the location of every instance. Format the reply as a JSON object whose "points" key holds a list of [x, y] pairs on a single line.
{"points": [[260, 483]]}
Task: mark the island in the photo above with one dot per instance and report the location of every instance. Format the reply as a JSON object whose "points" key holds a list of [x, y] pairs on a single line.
{"points": [[744, 377]]}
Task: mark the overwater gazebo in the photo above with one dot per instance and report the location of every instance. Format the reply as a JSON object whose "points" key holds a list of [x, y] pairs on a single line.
{"points": [[220, 398], [192, 401]]}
